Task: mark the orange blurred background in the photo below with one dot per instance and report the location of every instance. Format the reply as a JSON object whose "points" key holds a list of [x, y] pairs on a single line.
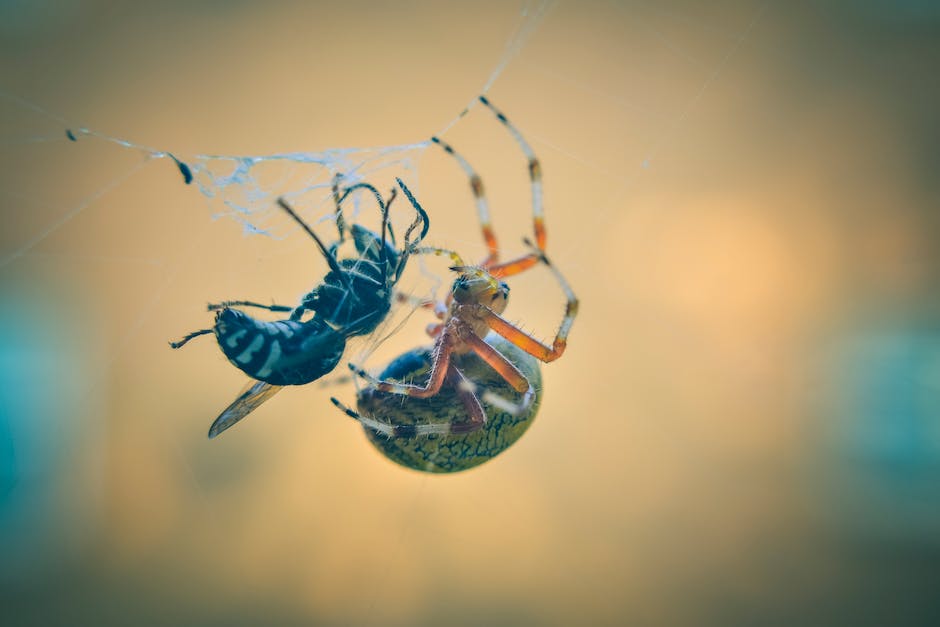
{"points": [[744, 429]]}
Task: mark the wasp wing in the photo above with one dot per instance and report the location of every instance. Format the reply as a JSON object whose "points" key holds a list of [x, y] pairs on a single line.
{"points": [[251, 396]]}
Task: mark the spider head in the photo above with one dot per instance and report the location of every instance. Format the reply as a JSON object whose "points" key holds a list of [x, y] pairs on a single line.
{"points": [[477, 286]]}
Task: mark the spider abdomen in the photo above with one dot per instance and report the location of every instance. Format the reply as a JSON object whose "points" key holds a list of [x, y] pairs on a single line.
{"points": [[283, 352], [455, 451]]}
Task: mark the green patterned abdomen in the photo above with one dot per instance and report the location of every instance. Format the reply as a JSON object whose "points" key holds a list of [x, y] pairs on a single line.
{"points": [[450, 453]]}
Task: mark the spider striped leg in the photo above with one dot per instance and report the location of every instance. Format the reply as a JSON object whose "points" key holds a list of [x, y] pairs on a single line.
{"points": [[439, 369], [479, 195], [505, 368], [246, 303], [528, 343], [475, 413], [535, 174]]}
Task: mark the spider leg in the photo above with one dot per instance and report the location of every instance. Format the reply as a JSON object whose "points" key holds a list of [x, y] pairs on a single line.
{"points": [[523, 263], [464, 389], [439, 369], [246, 303], [508, 371], [186, 339], [535, 174], [528, 343], [513, 267], [483, 208]]}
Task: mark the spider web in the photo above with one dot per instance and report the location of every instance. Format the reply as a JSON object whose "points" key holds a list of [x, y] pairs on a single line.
{"points": [[244, 188]]}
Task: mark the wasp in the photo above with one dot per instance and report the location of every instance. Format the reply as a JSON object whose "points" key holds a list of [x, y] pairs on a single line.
{"points": [[353, 298]]}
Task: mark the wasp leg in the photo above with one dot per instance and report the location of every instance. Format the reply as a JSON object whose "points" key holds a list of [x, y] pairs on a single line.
{"points": [[186, 339], [247, 303]]}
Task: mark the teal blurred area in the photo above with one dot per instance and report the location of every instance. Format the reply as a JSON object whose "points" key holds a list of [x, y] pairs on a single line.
{"points": [[744, 430], [884, 459], [50, 491]]}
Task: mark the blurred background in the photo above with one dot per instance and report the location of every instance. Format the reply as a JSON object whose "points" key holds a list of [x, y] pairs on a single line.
{"points": [[745, 428]]}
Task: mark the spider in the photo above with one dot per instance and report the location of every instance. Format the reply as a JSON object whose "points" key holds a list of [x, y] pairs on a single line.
{"points": [[475, 351], [354, 297]]}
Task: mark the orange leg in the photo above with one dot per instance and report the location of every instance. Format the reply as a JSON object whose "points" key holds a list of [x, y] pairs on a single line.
{"points": [[516, 266], [464, 389], [507, 371], [439, 368], [479, 195], [491, 263], [528, 343], [535, 174]]}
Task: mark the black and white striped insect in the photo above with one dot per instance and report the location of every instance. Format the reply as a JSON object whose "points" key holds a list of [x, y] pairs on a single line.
{"points": [[352, 300]]}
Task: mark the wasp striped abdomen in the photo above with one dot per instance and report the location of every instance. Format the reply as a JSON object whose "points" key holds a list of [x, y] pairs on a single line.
{"points": [[283, 352]]}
